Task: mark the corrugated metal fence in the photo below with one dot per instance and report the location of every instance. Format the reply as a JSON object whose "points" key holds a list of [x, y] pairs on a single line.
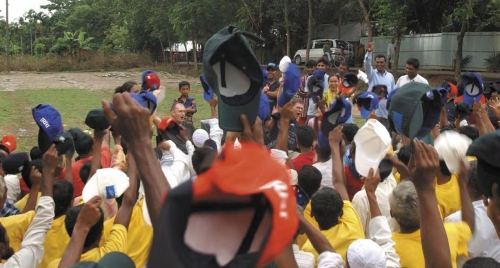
{"points": [[437, 51]]}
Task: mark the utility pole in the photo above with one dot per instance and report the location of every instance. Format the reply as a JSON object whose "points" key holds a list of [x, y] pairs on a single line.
{"points": [[7, 36]]}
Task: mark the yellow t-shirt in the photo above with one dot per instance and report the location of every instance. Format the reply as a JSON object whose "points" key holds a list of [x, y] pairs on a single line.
{"points": [[397, 177], [343, 234], [56, 242], [448, 197], [302, 239], [22, 203], [140, 237], [409, 246], [16, 226], [117, 242]]}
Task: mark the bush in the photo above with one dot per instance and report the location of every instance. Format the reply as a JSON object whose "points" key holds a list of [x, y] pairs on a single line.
{"points": [[88, 62], [493, 63]]}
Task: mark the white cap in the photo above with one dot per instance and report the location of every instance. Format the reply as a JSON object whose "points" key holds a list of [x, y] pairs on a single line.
{"points": [[452, 148], [372, 143], [285, 61], [199, 137], [13, 187], [107, 183], [364, 253]]}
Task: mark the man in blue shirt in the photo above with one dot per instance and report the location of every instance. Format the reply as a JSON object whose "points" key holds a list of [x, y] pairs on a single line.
{"points": [[379, 76]]}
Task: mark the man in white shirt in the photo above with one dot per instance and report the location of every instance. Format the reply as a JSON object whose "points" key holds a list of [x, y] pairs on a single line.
{"points": [[484, 242], [412, 67]]}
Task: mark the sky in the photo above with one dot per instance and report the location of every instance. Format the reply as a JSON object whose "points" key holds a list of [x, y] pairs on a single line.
{"points": [[18, 7]]}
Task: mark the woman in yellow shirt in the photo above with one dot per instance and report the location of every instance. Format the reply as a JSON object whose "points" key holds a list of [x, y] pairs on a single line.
{"points": [[333, 90]]}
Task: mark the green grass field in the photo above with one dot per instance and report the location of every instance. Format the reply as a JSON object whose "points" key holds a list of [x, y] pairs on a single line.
{"points": [[73, 104]]}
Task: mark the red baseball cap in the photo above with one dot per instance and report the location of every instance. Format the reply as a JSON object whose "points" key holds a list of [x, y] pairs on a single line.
{"points": [[151, 79], [239, 213], [165, 123], [10, 142]]}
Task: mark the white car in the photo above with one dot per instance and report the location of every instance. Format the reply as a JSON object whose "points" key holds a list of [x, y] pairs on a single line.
{"points": [[316, 51]]}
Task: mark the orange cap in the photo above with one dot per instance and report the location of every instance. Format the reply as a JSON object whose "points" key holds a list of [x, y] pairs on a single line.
{"points": [[10, 142], [165, 123]]}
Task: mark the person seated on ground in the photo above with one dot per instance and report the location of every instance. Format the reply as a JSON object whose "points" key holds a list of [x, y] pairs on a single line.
{"points": [[31, 250], [336, 217], [86, 232], [305, 138], [404, 203], [484, 242]]}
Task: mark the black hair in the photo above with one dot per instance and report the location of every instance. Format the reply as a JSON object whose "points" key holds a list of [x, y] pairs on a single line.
{"points": [[85, 172], [349, 130], [305, 135], [36, 153], [472, 184], [324, 152], [203, 159], [322, 60], [413, 62], [404, 154], [326, 207], [184, 83], [63, 197], [381, 56], [10, 250], [84, 144], [310, 63], [333, 75], [309, 179], [449, 127], [126, 87], [481, 262], [345, 65], [94, 234], [470, 132]]}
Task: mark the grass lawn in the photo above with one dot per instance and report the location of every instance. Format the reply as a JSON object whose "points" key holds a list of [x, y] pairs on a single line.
{"points": [[73, 104]]}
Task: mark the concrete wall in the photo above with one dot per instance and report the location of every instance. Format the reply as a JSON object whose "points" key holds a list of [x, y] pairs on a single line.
{"points": [[437, 51]]}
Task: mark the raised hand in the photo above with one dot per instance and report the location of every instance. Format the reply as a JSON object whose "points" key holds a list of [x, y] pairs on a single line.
{"points": [[426, 161]]}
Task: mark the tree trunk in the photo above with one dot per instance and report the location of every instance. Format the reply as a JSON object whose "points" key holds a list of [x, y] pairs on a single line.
{"points": [[399, 37], [340, 27], [458, 54], [195, 60], [162, 51], [287, 25], [367, 20], [170, 50], [187, 56], [309, 29]]}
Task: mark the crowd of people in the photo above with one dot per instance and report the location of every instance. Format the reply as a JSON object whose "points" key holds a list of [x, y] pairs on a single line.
{"points": [[278, 176]]}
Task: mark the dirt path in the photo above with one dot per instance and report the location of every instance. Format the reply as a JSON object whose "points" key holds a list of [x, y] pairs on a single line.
{"points": [[88, 81]]}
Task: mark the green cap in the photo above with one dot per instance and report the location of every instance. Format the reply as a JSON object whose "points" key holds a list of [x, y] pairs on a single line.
{"points": [[110, 260]]}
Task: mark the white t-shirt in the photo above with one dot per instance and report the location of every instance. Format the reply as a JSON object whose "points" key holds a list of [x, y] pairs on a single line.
{"points": [[403, 80]]}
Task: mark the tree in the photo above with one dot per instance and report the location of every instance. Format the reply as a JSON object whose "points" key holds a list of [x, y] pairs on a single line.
{"points": [[367, 19], [463, 12], [309, 29], [287, 27]]}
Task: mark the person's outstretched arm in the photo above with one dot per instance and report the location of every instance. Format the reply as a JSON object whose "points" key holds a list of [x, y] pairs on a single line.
{"points": [[368, 60], [335, 138], [434, 240]]}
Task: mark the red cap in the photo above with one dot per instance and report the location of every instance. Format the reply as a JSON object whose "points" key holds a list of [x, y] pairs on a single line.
{"points": [[10, 142], [153, 81], [165, 123], [453, 90], [262, 175], [460, 98]]}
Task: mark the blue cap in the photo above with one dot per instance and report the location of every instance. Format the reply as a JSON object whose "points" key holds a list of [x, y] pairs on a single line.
{"points": [[48, 119], [145, 98], [264, 108], [208, 92], [473, 88], [367, 102], [271, 65], [301, 196], [322, 140], [339, 113], [389, 97], [291, 84], [315, 84]]}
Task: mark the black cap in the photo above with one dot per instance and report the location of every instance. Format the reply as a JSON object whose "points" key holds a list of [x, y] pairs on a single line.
{"points": [[485, 149], [96, 120], [16, 163]]}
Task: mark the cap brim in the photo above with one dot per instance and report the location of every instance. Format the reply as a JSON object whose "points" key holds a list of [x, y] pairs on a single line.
{"points": [[229, 116], [363, 164], [470, 100], [486, 176], [365, 113]]}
